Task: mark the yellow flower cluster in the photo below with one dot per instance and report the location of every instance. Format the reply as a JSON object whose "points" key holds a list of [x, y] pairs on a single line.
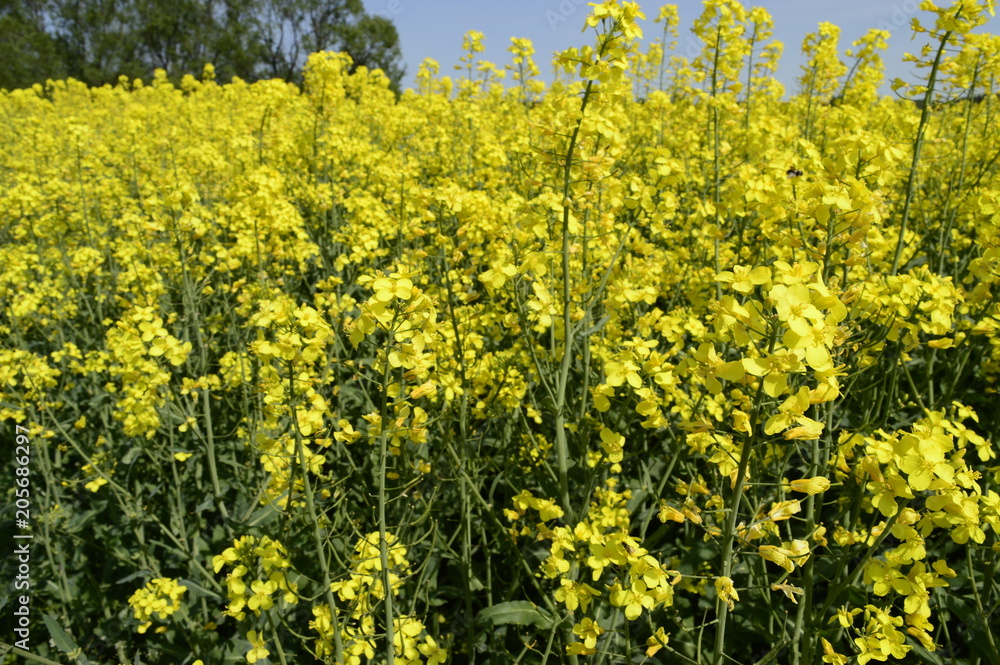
{"points": [[160, 596], [654, 288], [265, 561], [361, 592], [135, 342], [600, 543]]}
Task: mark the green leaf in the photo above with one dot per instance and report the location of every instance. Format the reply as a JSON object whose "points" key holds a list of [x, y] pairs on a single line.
{"points": [[520, 612], [596, 328], [139, 574], [131, 455], [198, 590], [62, 640], [773, 653]]}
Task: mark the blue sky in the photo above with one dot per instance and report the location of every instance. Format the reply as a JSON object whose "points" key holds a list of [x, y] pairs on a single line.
{"points": [[434, 28]]}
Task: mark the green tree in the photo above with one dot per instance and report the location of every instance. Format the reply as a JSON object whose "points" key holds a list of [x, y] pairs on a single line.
{"points": [[96, 41], [180, 36], [374, 43], [27, 51], [295, 28]]}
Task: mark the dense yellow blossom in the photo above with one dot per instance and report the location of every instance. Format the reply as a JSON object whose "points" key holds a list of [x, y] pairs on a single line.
{"points": [[622, 355]]}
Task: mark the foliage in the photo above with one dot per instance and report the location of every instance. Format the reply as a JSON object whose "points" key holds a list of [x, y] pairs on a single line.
{"points": [[532, 374], [97, 41]]}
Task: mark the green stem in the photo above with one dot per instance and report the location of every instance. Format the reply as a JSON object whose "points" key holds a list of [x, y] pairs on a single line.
{"points": [[628, 642], [191, 312], [383, 546], [819, 463], [716, 183], [338, 648], [993, 653], [860, 566], [728, 536], [490, 513], [918, 145], [27, 655], [727, 546], [944, 239], [463, 428], [212, 468], [562, 382], [277, 641]]}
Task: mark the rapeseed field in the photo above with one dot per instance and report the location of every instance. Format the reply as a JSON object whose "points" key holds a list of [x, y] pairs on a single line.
{"points": [[655, 363]]}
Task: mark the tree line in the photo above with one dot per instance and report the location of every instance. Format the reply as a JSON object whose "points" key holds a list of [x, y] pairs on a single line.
{"points": [[97, 41]]}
